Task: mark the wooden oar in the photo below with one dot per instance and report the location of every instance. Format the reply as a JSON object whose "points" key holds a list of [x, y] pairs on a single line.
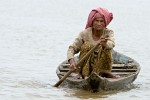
{"points": [[70, 71]]}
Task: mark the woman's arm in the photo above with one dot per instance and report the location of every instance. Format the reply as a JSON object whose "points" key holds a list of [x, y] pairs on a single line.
{"points": [[75, 47]]}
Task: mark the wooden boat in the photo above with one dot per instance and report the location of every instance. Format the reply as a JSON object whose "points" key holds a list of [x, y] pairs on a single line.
{"points": [[123, 66]]}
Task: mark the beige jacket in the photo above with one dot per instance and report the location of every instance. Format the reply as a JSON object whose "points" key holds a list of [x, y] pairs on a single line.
{"points": [[86, 35]]}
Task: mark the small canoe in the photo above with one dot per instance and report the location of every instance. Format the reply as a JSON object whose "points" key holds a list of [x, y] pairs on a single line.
{"points": [[123, 66]]}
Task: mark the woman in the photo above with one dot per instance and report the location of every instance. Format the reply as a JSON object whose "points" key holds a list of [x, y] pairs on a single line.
{"points": [[100, 61]]}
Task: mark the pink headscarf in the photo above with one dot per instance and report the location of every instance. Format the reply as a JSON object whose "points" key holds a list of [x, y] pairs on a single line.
{"points": [[99, 12]]}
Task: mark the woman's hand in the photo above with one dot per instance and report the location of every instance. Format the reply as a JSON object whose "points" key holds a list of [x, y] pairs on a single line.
{"points": [[72, 64], [103, 41]]}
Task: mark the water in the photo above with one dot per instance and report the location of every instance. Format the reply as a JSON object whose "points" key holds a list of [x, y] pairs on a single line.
{"points": [[35, 34]]}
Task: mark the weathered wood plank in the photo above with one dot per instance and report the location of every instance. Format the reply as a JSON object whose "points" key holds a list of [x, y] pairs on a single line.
{"points": [[113, 70], [115, 66], [124, 70], [123, 73]]}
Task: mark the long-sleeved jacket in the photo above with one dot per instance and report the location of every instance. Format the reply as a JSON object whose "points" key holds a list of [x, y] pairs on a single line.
{"points": [[86, 35]]}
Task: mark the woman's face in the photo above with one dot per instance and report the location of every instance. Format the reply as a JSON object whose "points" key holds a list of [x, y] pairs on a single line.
{"points": [[98, 23]]}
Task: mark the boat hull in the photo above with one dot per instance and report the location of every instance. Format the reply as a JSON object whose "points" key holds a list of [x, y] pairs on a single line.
{"points": [[127, 71]]}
